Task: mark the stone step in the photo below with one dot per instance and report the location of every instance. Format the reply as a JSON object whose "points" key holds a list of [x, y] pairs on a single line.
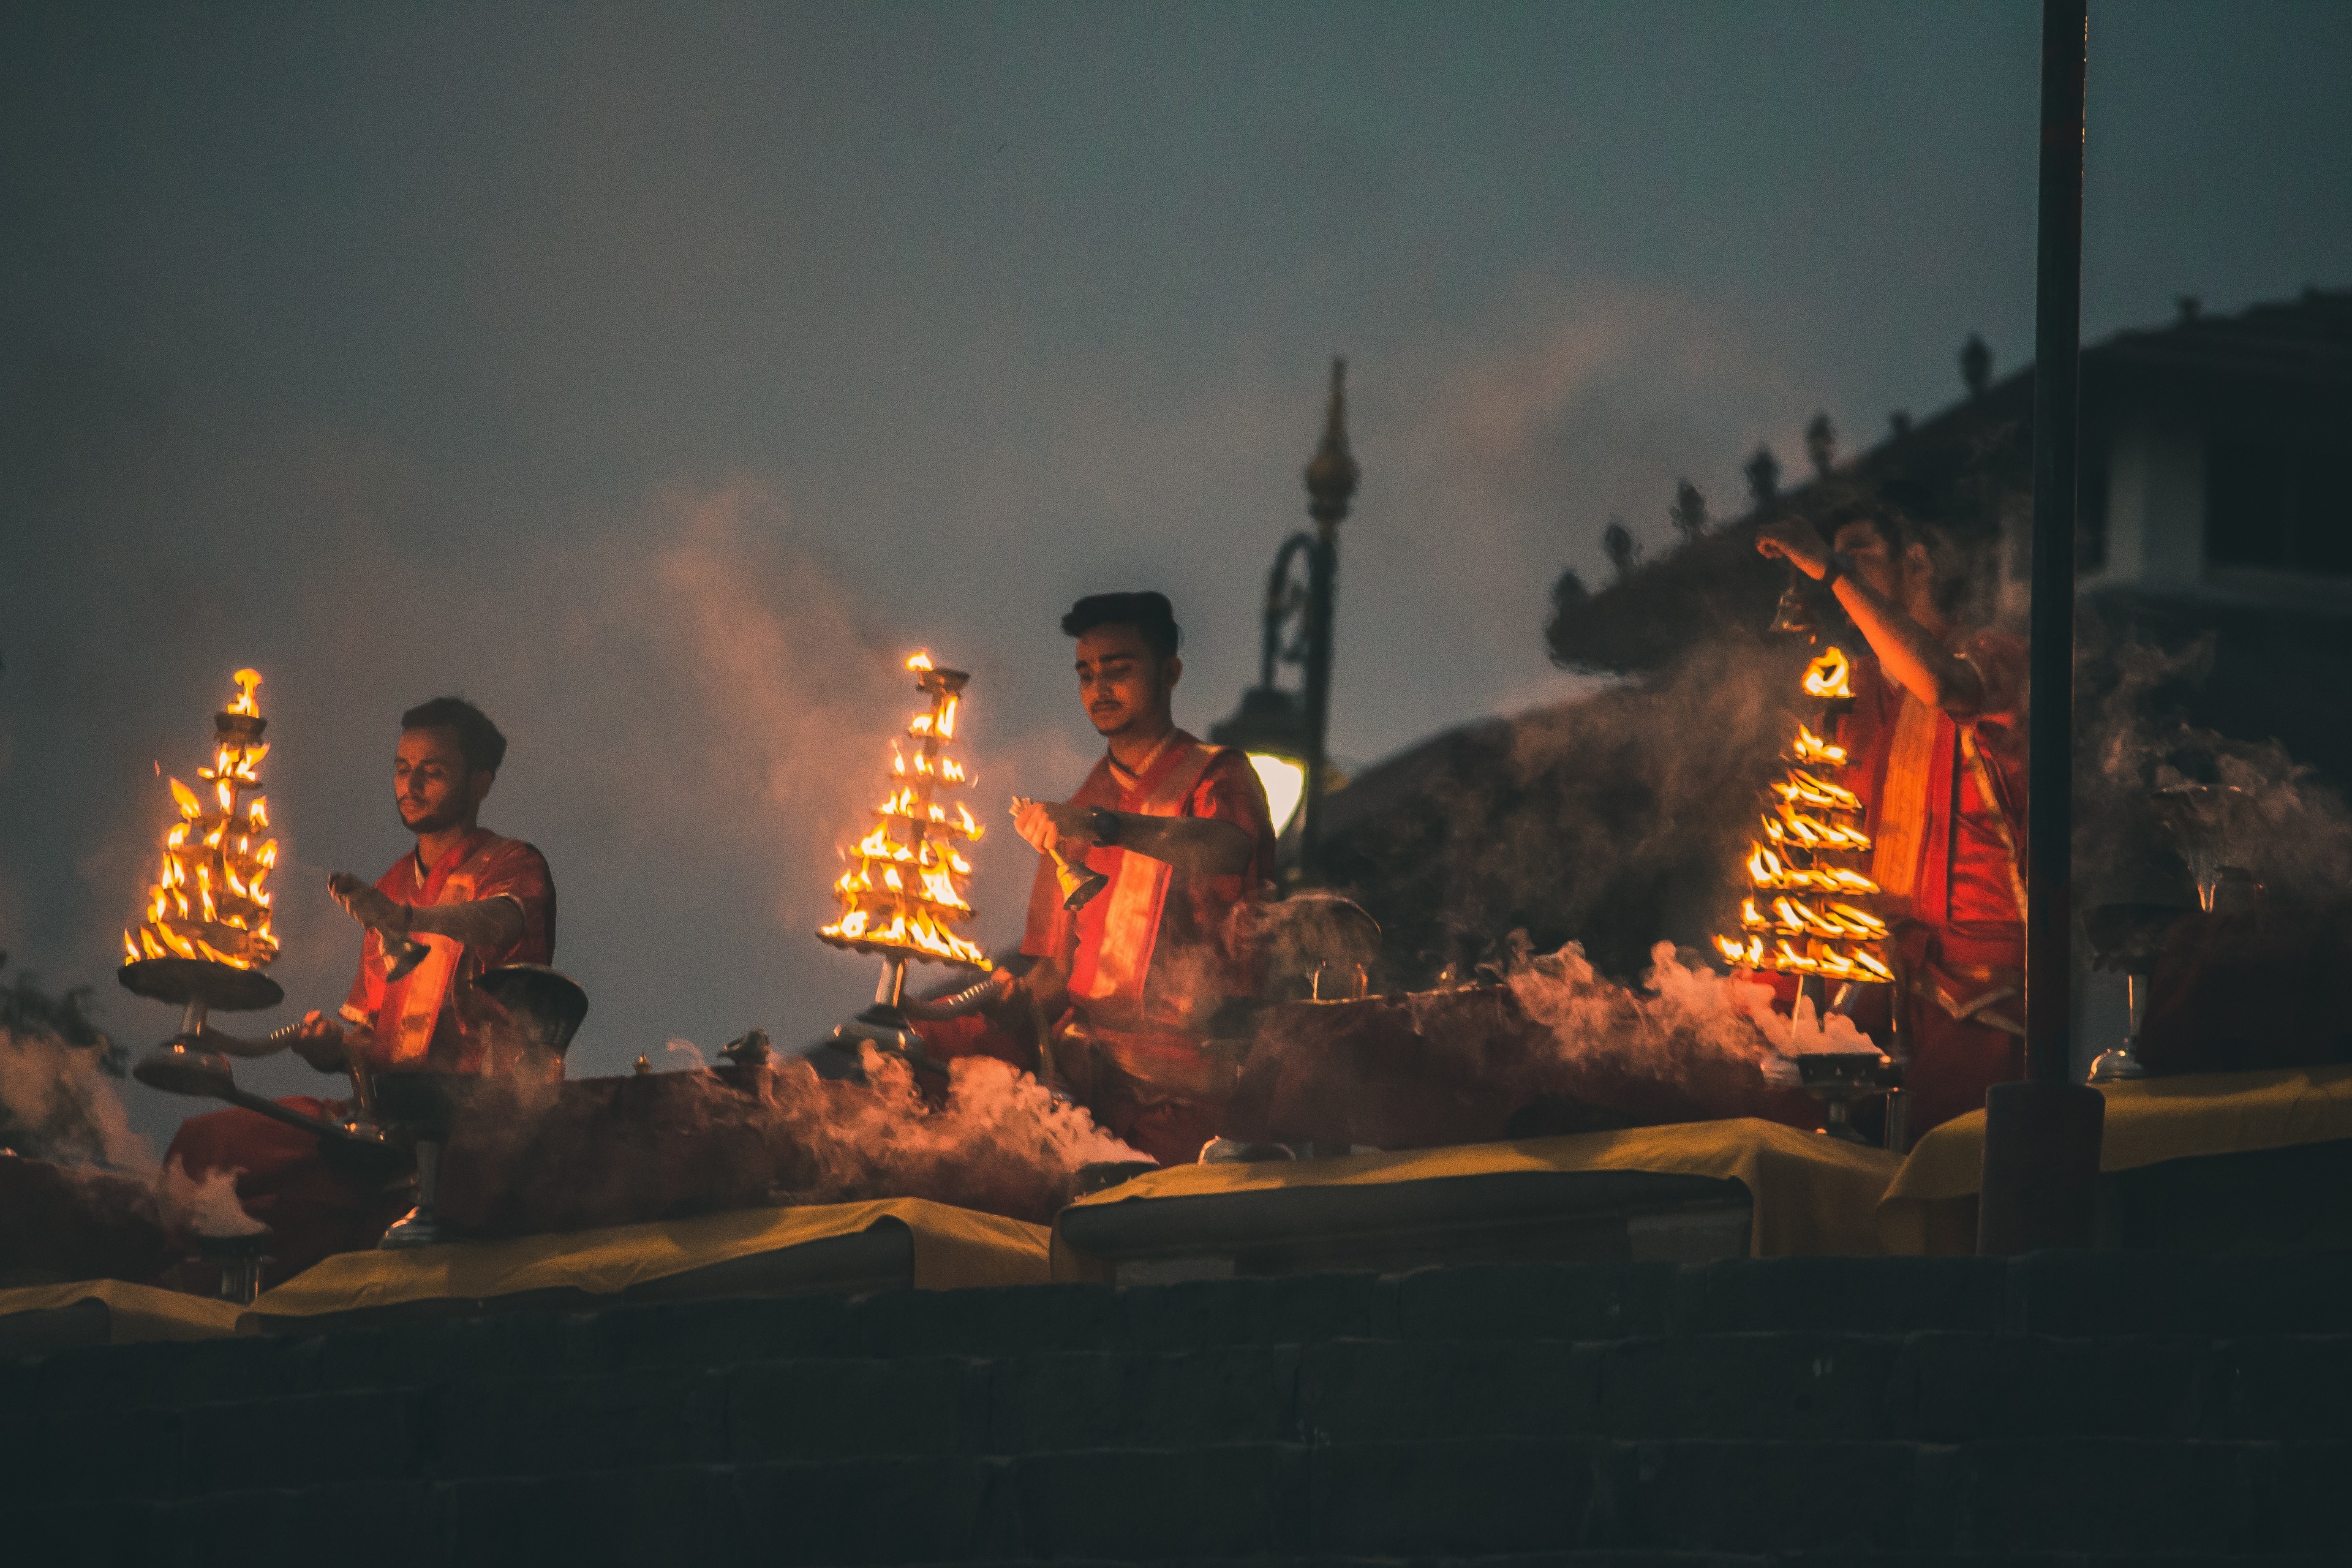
{"points": [[2121, 1500], [2061, 1295], [1941, 1387]]}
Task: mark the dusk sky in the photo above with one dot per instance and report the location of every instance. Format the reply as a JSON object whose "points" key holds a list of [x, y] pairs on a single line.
{"points": [[660, 377]]}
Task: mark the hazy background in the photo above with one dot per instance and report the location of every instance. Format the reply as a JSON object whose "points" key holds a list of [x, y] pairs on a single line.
{"points": [[659, 378]]}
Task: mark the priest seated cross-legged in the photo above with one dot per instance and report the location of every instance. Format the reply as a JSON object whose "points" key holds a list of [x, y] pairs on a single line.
{"points": [[1181, 836], [471, 901]]}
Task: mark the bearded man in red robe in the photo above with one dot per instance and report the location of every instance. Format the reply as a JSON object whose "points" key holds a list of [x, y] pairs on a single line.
{"points": [[1936, 746], [476, 902], [1181, 830]]}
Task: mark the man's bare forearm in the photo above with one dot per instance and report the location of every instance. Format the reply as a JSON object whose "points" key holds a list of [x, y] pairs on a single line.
{"points": [[1909, 652], [482, 922], [1201, 845]]}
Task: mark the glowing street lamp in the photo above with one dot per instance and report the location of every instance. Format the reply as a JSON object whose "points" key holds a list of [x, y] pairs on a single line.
{"points": [[1272, 731]]}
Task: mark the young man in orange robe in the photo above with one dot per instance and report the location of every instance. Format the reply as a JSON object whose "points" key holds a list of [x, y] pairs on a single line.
{"points": [[1182, 831], [1936, 746], [476, 902]]}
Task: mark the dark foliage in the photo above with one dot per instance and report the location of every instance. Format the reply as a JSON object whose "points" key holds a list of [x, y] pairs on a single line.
{"points": [[1600, 822], [25, 1008]]}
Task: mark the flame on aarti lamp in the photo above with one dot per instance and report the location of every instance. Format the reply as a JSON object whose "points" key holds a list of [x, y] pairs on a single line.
{"points": [[903, 891], [1826, 676], [208, 899], [1811, 819], [1811, 748]]}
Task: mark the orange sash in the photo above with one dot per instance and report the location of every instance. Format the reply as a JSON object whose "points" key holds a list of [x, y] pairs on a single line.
{"points": [[1902, 826]]}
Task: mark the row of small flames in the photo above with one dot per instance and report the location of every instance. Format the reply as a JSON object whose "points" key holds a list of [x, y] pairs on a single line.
{"points": [[1783, 929]]}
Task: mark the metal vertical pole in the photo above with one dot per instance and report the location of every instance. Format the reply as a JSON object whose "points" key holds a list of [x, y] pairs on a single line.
{"points": [[2043, 1135], [1332, 476], [2058, 309]]}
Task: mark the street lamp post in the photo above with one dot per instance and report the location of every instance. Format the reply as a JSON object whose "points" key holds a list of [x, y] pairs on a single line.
{"points": [[1332, 476], [1285, 732], [2043, 1135]]}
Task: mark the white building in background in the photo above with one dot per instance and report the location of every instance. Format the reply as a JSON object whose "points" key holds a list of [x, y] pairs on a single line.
{"points": [[2218, 456]]}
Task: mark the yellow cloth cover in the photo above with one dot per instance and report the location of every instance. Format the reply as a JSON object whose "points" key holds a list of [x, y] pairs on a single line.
{"points": [[953, 1246], [1932, 1203], [1813, 1193], [133, 1312]]}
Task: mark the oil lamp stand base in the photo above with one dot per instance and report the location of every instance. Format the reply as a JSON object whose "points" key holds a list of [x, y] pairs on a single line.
{"points": [[418, 1228], [887, 1030], [414, 1228], [240, 1259], [1838, 1079], [2117, 1065]]}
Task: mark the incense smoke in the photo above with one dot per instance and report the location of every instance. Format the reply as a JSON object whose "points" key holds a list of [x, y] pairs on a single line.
{"points": [[999, 1142], [535, 1157], [1684, 1024], [57, 1106], [1614, 823], [2292, 831], [205, 1205]]}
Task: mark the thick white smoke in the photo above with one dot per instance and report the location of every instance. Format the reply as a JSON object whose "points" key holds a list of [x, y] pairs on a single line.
{"points": [[58, 1107]]}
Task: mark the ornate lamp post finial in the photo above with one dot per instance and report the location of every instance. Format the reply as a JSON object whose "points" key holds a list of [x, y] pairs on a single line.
{"points": [[1331, 473]]}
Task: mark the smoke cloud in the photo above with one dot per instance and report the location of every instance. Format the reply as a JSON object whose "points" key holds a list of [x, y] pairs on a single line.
{"points": [[1614, 822], [998, 1141], [528, 1158], [2138, 757], [58, 1106], [203, 1205]]}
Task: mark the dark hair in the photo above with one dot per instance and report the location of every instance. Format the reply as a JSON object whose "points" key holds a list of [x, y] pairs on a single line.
{"points": [[1887, 522], [1901, 532], [479, 740], [1148, 614]]}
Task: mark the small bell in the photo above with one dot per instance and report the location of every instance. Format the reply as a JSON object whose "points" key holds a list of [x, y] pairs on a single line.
{"points": [[1079, 882], [1794, 615]]}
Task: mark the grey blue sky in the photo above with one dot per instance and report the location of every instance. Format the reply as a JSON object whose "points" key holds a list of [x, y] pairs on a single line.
{"points": [[660, 375]]}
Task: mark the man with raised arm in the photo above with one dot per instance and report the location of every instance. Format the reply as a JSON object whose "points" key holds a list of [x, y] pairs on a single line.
{"points": [[1936, 745], [1130, 979], [474, 902]]}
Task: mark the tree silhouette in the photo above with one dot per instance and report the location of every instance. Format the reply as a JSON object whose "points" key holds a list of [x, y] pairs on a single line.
{"points": [[1763, 471], [1688, 514], [1617, 544], [1976, 366], [1820, 444]]}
